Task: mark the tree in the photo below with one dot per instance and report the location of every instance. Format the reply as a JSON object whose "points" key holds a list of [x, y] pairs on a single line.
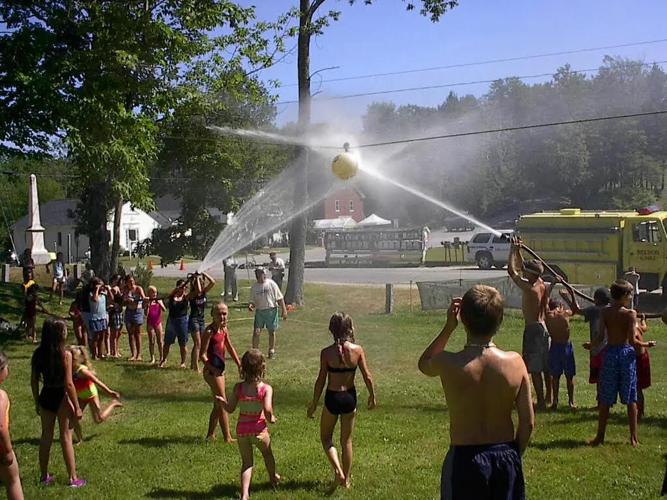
{"points": [[311, 25], [98, 76]]}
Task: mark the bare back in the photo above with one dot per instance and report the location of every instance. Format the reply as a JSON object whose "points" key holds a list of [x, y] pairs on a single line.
{"points": [[619, 323], [534, 302], [342, 380], [481, 392]]}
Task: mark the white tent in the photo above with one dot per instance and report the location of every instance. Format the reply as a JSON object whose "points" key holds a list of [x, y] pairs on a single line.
{"points": [[337, 223], [374, 220]]}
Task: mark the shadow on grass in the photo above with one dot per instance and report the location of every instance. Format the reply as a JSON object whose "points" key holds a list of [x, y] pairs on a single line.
{"points": [[36, 441], [161, 442], [563, 444], [232, 490], [619, 418]]}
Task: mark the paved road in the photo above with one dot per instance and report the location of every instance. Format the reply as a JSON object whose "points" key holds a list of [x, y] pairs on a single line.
{"points": [[365, 276]]}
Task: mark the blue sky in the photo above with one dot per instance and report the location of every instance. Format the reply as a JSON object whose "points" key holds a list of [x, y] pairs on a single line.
{"points": [[384, 37]]}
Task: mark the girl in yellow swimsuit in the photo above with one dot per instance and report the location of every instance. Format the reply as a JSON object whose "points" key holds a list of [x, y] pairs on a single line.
{"points": [[9, 467], [86, 383]]}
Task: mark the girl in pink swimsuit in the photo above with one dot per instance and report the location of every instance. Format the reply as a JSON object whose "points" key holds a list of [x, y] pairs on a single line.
{"points": [[154, 308], [255, 401]]}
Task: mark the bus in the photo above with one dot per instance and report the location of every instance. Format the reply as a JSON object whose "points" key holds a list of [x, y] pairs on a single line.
{"points": [[376, 246]]}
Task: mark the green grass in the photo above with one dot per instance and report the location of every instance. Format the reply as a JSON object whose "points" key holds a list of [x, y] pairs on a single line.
{"points": [[153, 448]]}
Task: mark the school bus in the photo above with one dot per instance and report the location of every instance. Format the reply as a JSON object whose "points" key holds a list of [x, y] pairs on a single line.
{"points": [[597, 247]]}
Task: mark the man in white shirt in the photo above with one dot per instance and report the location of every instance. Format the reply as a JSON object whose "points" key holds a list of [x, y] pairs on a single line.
{"points": [[632, 277], [277, 268], [265, 297]]}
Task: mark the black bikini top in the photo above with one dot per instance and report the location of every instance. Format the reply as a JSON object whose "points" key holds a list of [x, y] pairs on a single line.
{"points": [[346, 369]]}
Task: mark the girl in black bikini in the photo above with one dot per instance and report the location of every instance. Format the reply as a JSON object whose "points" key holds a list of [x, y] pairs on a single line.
{"points": [[57, 400], [338, 365]]}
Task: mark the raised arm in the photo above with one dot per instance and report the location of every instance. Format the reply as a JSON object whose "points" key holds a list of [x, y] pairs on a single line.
{"points": [[568, 296], [368, 380], [524, 406], [319, 386], [210, 284], [515, 263], [427, 362]]}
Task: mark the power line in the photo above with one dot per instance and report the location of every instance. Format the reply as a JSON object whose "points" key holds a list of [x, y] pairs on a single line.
{"points": [[446, 85], [489, 61], [513, 129]]}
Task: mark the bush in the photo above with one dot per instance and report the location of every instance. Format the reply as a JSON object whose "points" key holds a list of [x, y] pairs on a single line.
{"points": [[143, 276]]}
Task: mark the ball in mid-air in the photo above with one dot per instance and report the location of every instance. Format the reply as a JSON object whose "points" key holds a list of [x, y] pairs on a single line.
{"points": [[345, 166]]}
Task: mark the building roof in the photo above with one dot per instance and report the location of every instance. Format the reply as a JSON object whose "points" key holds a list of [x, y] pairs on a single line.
{"points": [[55, 213]]}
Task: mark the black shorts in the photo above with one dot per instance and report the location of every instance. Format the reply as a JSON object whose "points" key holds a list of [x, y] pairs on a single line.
{"points": [[341, 402], [50, 398], [491, 471]]}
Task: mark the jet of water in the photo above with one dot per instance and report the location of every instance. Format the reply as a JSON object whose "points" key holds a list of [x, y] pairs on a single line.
{"points": [[367, 167], [273, 206], [271, 138]]}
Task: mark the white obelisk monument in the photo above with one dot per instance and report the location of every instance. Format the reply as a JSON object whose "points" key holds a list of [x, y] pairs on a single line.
{"points": [[35, 232]]}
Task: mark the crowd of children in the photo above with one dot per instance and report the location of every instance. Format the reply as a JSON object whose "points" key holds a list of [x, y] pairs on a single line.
{"points": [[482, 384]]}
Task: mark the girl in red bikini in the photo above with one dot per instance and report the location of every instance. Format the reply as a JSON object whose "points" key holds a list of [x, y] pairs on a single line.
{"points": [[255, 401]]}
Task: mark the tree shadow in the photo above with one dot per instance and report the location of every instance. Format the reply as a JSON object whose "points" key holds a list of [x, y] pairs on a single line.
{"points": [[232, 490], [161, 442], [37, 441], [565, 444]]}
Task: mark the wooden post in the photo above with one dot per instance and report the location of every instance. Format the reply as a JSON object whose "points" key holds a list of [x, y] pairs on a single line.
{"points": [[5, 273], [389, 298]]}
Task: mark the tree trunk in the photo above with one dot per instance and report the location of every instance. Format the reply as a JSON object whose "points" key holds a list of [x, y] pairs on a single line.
{"points": [[92, 215], [297, 240], [115, 245]]}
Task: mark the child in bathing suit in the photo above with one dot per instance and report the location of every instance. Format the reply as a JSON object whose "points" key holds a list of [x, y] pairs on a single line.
{"points": [[86, 382], [338, 365], [154, 308], [9, 467], [255, 401], [643, 363]]}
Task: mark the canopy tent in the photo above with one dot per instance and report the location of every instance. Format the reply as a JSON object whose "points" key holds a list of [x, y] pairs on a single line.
{"points": [[337, 223], [374, 220]]}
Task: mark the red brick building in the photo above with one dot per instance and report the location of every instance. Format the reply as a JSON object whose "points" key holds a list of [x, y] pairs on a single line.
{"points": [[345, 202]]}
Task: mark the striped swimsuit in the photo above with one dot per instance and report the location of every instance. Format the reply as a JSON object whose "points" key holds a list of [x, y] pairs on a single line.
{"points": [[251, 412]]}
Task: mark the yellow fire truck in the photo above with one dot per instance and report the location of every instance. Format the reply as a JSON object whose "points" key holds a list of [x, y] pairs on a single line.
{"points": [[597, 247]]}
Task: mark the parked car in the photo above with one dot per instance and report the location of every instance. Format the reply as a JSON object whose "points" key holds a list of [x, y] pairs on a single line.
{"points": [[487, 250]]}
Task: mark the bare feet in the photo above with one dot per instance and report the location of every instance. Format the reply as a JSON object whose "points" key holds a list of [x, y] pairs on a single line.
{"points": [[572, 405], [152, 361], [634, 441], [162, 364], [230, 440], [131, 358], [210, 439], [596, 441], [182, 366], [116, 403], [138, 358], [553, 407], [275, 480], [539, 407]]}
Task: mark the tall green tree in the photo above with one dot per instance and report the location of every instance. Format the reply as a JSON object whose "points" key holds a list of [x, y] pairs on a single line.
{"points": [[98, 76]]}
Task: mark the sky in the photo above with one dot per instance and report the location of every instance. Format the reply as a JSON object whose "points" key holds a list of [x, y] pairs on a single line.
{"points": [[384, 37]]}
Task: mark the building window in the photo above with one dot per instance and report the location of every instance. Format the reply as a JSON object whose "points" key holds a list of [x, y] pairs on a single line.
{"points": [[337, 206], [60, 239], [132, 234], [351, 206]]}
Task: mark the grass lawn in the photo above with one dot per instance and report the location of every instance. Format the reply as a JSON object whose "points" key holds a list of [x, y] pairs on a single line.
{"points": [[154, 448]]}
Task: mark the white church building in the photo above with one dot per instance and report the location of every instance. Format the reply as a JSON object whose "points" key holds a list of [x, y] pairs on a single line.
{"points": [[59, 221]]}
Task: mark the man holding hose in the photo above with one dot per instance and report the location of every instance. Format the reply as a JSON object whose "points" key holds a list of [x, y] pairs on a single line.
{"points": [[527, 276]]}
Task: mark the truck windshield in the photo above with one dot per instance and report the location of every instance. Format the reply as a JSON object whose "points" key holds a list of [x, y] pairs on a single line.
{"points": [[649, 231]]}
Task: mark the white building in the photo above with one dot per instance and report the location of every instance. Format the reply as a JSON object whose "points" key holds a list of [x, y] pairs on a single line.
{"points": [[59, 221]]}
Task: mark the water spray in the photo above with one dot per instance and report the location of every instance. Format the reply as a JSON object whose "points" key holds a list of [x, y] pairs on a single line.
{"points": [[345, 165]]}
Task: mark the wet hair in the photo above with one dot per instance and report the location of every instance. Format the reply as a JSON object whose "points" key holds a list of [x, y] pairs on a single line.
{"points": [[620, 288], [342, 329], [602, 296], [253, 366], [4, 360], [48, 360], [554, 304], [533, 267], [482, 310]]}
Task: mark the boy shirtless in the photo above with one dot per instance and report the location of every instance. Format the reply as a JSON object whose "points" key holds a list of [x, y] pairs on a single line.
{"points": [[619, 368], [561, 353], [482, 385], [534, 306], [643, 363]]}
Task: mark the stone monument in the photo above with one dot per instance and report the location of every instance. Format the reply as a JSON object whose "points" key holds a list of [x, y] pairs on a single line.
{"points": [[35, 231]]}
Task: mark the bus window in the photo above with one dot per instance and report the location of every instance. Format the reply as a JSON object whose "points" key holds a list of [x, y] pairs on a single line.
{"points": [[646, 232]]}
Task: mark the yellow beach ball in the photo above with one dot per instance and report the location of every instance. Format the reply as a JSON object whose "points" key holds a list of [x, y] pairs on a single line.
{"points": [[345, 166]]}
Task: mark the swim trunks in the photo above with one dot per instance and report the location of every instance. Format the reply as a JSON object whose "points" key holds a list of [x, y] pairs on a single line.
{"points": [[116, 319], [267, 318], [490, 471], [643, 371], [619, 375], [341, 402], [50, 398], [561, 359], [595, 367], [176, 328], [536, 348]]}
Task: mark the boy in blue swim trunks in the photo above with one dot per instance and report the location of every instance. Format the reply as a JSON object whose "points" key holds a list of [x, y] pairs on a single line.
{"points": [[482, 385], [619, 368], [561, 353]]}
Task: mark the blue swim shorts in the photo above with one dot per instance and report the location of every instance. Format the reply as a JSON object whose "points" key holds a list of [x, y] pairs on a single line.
{"points": [[177, 328], [483, 471], [561, 359], [619, 375], [267, 318]]}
